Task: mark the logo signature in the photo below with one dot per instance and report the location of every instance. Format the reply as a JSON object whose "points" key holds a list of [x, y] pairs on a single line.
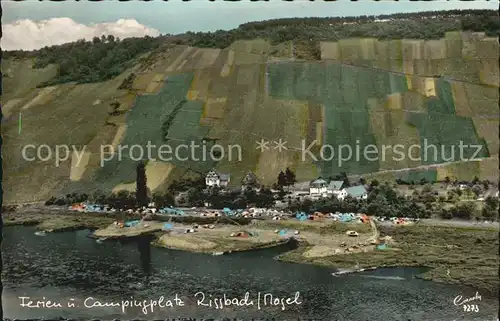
{"points": [[460, 300], [465, 302]]}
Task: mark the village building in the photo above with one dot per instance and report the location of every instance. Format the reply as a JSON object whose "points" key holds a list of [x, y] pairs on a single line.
{"points": [[335, 188], [318, 187], [357, 192], [217, 179]]}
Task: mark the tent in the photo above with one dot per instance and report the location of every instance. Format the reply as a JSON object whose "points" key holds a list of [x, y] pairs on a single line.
{"points": [[345, 218], [364, 218], [167, 226], [131, 223], [227, 211], [282, 233], [171, 211], [92, 208], [381, 247], [301, 216]]}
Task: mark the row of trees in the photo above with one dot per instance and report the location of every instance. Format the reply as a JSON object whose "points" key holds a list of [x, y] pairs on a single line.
{"points": [[384, 200], [89, 61], [470, 210], [106, 57], [421, 25], [122, 199]]}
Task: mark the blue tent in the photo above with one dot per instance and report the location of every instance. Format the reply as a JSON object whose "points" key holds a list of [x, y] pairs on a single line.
{"points": [[227, 211], [282, 233], [93, 208], [301, 216], [167, 226], [131, 223], [346, 217], [381, 247], [171, 211]]}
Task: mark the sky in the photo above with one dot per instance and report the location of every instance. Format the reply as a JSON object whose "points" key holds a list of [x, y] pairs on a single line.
{"points": [[34, 24]]}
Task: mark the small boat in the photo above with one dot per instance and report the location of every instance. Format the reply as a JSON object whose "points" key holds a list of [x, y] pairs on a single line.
{"points": [[344, 271], [100, 240], [217, 253], [40, 233]]}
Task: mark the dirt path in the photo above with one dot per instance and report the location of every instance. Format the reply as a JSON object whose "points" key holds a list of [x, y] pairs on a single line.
{"points": [[375, 231], [424, 167]]}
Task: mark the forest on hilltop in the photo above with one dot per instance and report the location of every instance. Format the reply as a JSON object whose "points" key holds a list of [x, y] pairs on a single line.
{"points": [[106, 57]]}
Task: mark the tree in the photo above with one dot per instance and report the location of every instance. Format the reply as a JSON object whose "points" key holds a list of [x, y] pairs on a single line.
{"points": [[362, 181], [374, 183], [98, 197], [265, 198], [447, 180], [446, 214], [163, 199], [289, 177], [196, 197], [465, 211], [453, 196], [250, 180], [427, 188], [475, 180], [477, 190], [141, 190], [282, 179], [490, 209]]}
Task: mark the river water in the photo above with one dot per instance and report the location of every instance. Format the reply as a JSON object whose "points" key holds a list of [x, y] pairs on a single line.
{"points": [[70, 267]]}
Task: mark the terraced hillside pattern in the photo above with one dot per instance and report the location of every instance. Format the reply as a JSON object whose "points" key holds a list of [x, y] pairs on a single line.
{"points": [[363, 91]]}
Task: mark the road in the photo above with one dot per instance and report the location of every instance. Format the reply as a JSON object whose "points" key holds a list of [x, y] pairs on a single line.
{"points": [[456, 223]]}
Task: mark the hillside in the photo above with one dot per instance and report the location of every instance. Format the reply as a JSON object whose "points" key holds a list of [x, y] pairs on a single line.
{"points": [[360, 91]]}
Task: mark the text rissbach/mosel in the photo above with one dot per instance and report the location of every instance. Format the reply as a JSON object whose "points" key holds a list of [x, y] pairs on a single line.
{"points": [[257, 300]]}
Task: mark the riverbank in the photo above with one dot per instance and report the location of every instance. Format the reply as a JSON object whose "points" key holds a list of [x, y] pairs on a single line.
{"points": [[455, 255], [59, 219]]}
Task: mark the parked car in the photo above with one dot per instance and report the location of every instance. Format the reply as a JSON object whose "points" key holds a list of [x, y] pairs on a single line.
{"points": [[352, 233]]}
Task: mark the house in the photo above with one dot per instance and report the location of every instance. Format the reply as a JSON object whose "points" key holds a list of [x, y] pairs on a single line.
{"points": [[318, 187], [358, 192], [335, 188], [217, 179]]}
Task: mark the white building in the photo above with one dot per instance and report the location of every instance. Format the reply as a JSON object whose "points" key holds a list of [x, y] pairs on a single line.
{"points": [[318, 187], [217, 179]]}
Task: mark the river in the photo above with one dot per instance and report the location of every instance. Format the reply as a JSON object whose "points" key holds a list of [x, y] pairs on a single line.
{"points": [[70, 267]]}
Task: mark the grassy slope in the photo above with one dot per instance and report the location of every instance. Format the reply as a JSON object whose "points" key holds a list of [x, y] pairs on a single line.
{"points": [[231, 99]]}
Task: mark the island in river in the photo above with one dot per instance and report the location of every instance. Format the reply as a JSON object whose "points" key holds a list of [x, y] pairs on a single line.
{"points": [[462, 255]]}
